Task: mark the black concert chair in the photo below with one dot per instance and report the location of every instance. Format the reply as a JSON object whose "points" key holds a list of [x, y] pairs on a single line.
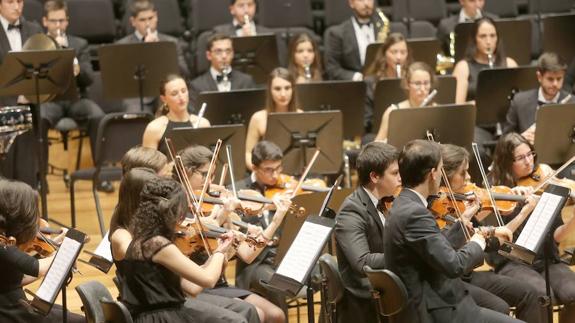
{"points": [[389, 292], [205, 15], [332, 289], [33, 11], [115, 312], [429, 10], [549, 6], [92, 20], [422, 29], [501, 8], [336, 11], [91, 293], [117, 133]]}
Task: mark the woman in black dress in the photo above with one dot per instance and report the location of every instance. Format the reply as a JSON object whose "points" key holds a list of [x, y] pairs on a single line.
{"points": [[19, 220]]}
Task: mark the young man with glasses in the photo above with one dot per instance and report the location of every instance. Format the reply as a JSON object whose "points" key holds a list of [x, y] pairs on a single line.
{"points": [[220, 76], [523, 109]]}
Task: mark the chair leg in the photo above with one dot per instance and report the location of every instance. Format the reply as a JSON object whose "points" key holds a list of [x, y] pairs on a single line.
{"points": [[72, 204], [79, 154], [98, 208]]}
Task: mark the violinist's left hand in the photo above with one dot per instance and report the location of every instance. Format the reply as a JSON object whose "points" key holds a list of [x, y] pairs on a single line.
{"points": [[503, 234], [522, 190], [59, 238], [471, 210], [254, 230], [231, 203]]}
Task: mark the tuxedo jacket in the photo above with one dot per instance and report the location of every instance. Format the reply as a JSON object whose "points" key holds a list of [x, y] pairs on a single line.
{"points": [[29, 28], [184, 69], [447, 25], [523, 110], [206, 82], [359, 235], [430, 263]]}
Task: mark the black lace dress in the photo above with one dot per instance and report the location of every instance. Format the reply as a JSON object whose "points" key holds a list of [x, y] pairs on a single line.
{"points": [[153, 292]]}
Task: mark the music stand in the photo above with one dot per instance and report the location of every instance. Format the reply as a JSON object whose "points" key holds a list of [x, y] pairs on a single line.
{"points": [[556, 29], [555, 133], [389, 91], [256, 55], [299, 134], [37, 73], [345, 96], [233, 107], [422, 49], [134, 70], [496, 88], [449, 124], [234, 135], [516, 36]]}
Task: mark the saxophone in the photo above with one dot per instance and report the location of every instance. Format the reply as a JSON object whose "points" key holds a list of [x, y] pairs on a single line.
{"points": [[382, 26], [444, 62]]}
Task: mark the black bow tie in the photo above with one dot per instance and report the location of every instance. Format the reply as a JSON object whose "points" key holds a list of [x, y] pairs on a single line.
{"points": [[14, 26], [238, 26], [361, 24], [540, 103], [220, 77]]}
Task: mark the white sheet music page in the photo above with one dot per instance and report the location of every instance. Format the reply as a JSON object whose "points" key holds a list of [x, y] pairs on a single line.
{"points": [[535, 227], [104, 249], [58, 272], [307, 244]]}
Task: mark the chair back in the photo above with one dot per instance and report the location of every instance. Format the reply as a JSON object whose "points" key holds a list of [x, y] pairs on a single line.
{"points": [[285, 13], [428, 10], [549, 6], [205, 15], [117, 133], [33, 11], [502, 8], [115, 312], [91, 293], [330, 275], [388, 290], [93, 20]]}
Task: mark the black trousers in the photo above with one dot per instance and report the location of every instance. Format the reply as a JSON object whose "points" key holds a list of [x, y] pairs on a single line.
{"points": [[213, 308]]}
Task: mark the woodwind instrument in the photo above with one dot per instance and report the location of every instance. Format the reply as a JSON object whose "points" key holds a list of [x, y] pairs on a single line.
{"points": [[445, 63], [382, 26]]}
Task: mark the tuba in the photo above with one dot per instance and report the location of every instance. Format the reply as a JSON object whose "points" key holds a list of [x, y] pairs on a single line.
{"points": [[382, 26], [444, 62]]}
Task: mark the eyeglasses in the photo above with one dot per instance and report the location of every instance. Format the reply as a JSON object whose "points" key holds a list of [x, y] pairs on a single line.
{"points": [[58, 21], [519, 158], [219, 52], [271, 171], [419, 84]]}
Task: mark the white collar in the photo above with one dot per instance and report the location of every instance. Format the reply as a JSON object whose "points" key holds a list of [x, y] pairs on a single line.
{"points": [[140, 36], [541, 98], [463, 16], [423, 199], [5, 22], [215, 73], [372, 197]]}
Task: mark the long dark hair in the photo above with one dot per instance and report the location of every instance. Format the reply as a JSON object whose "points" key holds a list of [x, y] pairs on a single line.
{"points": [[500, 57], [162, 205], [501, 169], [284, 74], [18, 210], [129, 196], [315, 67], [379, 64]]}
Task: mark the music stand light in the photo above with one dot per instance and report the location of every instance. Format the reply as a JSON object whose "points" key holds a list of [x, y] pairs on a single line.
{"points": [[136, 70], [555, 133], [299, 134], [256, 55], [233, 107]]}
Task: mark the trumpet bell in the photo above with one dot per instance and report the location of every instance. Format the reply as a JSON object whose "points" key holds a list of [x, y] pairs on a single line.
{"points": [[444, 64]]}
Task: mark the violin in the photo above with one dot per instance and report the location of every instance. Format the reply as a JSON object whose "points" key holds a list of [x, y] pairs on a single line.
{"points": [[287, 183], [538, 180], [40, 245]]}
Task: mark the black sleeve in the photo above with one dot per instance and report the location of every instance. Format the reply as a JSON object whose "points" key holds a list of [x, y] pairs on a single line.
{"points": [[13, 257]]}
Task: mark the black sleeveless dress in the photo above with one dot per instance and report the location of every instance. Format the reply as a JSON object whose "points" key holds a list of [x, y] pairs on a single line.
{"points": [[153, 293], [171, 125], [474, 69]]}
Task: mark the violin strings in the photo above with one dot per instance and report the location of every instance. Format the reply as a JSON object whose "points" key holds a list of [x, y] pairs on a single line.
{"points": [[487, 184]]}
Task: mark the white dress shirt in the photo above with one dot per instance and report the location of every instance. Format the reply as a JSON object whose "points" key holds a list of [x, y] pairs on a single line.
{"points": [[14, 36]]}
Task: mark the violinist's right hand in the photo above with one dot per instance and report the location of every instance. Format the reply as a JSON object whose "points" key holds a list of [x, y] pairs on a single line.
{"points": [[522, 190], [479, 238]]}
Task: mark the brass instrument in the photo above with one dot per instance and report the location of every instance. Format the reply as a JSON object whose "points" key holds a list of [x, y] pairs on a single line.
{"points": [[40, 42], [445, 63], [382, 26]]}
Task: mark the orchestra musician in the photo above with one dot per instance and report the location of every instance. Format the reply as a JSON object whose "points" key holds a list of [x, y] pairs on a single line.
{"points": [[304, 61], [280, 97], [430, 263], [523, 109], [359, 229], [172, 114], [418, 82], [19, 220], [515, 160], [243, 13], [490, 290]]}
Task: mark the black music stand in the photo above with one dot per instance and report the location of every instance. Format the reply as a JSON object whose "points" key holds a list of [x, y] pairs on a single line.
{"points": [[234, 135], [555, 133], [256, 55], [496, 88], [37, 73], [389, 91], [556, 29], [422, 49], [449, 124], [135, 70], [345, 96], [516, 36], [299, 134], [233, 107]]}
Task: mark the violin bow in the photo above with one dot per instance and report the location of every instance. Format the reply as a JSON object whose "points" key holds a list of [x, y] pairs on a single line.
{"points": [[223, 174], [305, 172], [552, 175], [231, 163], [498, 217], [450, 192], [211, 170]]}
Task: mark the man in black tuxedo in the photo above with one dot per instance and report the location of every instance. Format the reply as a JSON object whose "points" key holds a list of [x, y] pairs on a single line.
{"points": [[144, 19], [430, 263], [14, 31], [80, 109], [523, 109], [239, 26], [359, 229], [220, 76], [471, 10]]}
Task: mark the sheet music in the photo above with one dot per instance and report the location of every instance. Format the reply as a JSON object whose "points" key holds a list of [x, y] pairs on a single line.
{"points": [[307, 244], [538, 220], [58, 272], [104, 249]]}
